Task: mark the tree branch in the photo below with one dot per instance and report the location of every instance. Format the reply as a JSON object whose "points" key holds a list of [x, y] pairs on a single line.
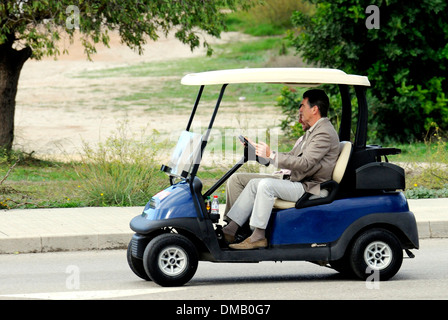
{"points": [[9, 172]]}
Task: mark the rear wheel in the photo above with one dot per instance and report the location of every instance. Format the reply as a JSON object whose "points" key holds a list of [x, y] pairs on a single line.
{"points": [[170, 260], [376, 250], [342, 266]]}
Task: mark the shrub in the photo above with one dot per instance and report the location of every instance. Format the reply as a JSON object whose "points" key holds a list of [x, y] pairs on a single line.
{"points": [[289, 101], [406, 59], [425, 193], [121, 171]]}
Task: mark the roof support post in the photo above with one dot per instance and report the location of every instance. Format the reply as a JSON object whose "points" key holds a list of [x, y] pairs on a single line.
{"points": [[193, 112], [346, 117], [361, 130]]}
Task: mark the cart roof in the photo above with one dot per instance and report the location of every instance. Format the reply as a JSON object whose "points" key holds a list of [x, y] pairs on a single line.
{"points": [[300, 76]]}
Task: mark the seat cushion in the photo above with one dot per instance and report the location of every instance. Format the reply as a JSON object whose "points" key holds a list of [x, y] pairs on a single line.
{"points": [[283, 204], [345, 150]]}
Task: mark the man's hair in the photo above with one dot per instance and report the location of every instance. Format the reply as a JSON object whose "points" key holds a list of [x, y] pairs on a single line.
{"points": [[319, 98]]}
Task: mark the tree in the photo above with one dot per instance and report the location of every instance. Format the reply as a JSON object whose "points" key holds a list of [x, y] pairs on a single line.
{"points": [[32, 28], [402, 46]]}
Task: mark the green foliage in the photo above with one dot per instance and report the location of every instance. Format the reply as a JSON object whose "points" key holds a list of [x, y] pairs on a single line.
{"points": [[250, 51], [121, 171], [406, 59], [40, 24], [289, 102], [425, 193]]}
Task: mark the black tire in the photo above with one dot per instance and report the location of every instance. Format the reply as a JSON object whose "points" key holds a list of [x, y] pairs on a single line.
{"points": [[136, 265], [170, 260], [376, 250], [343, 266]]}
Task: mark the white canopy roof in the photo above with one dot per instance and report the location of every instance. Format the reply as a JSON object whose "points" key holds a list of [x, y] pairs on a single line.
{"points": [[299, 76]]}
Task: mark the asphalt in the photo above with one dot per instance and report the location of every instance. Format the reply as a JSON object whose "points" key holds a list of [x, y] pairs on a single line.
{"points": [[101, 228]]}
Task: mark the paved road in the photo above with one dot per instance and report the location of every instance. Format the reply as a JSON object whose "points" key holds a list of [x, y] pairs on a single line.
{"points": [[106, 275]]}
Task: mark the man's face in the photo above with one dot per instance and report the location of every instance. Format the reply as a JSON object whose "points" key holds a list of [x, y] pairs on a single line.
{"points": [[305, 114], [304, 125]]}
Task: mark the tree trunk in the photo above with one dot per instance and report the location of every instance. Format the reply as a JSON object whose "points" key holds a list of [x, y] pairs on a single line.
{"points": [[11, 63]]}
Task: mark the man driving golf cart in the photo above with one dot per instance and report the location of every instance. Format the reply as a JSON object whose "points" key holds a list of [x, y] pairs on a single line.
{"points": [[363, 224], [310, 162]]}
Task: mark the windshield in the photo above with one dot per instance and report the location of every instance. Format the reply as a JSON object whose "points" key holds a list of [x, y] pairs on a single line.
{"points": [[185, 154]]}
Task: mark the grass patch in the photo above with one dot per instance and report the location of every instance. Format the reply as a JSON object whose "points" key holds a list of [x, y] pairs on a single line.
{"points": [[268, 18], [427, 167], [421, 151], [39, 184]]}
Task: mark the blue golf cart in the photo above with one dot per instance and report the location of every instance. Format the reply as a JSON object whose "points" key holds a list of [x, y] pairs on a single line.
{"points": [[362, 227]]}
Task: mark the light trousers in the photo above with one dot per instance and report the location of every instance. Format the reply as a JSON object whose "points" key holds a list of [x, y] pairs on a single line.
{"points": [[252, 196]]}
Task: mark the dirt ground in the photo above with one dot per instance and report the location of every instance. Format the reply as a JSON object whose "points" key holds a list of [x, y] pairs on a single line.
{"points": [[51, 121]]}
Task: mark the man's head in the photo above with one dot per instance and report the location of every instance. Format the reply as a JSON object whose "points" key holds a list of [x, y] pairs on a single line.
{"points": [[314, 106]]}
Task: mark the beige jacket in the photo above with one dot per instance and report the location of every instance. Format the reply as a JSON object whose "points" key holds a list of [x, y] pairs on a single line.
{"points": [[312, 160]]}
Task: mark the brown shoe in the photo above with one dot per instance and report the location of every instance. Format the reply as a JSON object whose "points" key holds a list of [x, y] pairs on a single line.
{"points": [[248, 245], [228, 238]]}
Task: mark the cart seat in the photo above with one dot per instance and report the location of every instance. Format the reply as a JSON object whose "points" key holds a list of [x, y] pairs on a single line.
{"points": [[307, 200]]}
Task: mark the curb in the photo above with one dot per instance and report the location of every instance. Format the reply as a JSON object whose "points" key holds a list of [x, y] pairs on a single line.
{"points": [[432, 229], [74, 229], [58, 243]]}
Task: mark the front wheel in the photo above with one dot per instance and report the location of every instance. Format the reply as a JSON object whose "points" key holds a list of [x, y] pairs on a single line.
{"points": [[378, 251], [136, 265], [170, 260]]}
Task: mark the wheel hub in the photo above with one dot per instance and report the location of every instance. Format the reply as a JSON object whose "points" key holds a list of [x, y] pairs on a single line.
{"points": [[173, 261], [378, 255]]}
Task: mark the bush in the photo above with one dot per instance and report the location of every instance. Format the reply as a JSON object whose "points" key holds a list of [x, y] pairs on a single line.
{"points": [[425, 193], [122, 171], [431, 177], [289, 101], [406, 59]]}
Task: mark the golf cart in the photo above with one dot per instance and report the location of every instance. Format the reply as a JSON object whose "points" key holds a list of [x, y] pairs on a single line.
{"points": [[361, 228]]}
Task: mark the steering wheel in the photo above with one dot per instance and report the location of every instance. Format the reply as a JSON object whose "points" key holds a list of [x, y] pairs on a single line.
{"points": [[249, 152]]}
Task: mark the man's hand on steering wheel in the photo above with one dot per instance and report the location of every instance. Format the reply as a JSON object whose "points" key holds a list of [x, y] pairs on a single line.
{"points": [[262, 150]]}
